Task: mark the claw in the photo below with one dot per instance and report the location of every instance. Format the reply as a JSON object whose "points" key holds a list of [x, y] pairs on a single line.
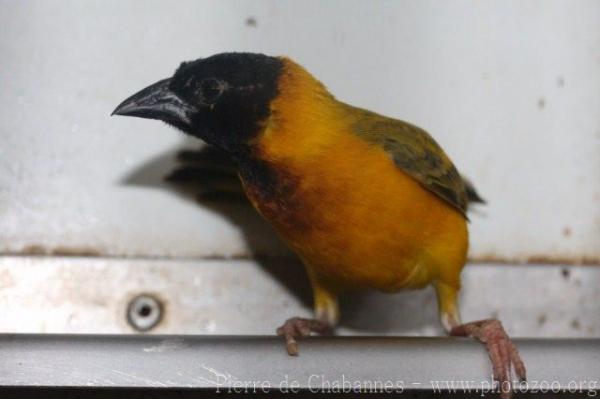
{"points": [[297, 327], [291, 346], [502, 351]]}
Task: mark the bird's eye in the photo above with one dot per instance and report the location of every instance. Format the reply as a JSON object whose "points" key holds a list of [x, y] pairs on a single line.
{"points": [[212, 89]]}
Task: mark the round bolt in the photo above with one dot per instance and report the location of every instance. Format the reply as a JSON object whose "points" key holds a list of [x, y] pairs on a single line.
{"points": [[144, 312]]}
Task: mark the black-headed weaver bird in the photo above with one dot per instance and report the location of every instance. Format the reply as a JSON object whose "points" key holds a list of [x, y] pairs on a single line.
{"points": [[366, 201]]}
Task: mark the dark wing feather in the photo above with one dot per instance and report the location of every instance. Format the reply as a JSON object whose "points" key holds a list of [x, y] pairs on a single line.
{"points": [[415, 152]]}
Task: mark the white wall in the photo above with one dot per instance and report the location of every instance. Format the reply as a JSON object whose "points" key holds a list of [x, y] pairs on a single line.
{"points": [[511, 89]]}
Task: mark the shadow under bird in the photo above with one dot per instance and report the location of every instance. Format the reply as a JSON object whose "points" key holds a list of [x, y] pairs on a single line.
{"points": [[366, 201]]}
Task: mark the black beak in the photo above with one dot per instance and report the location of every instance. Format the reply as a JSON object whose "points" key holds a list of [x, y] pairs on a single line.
{"points": [[157, 101]]}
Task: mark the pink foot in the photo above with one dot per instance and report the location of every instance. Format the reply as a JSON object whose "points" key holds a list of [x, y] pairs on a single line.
{"points": [[297, 327], [502, 351]]}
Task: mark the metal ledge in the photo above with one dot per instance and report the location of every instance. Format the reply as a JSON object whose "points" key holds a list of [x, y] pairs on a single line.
{"points": [[253, 363], [252, 297]]}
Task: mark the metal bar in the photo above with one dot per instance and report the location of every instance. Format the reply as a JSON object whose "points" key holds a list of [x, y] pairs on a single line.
{"points": [[93, 296], [256, 363]]}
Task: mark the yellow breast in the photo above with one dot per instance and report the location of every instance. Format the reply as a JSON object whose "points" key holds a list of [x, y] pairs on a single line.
{"points": [[345, 207]]}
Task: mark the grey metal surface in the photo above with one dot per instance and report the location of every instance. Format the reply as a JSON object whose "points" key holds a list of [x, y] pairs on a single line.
{"points": [[92, 295], [227, 361]]}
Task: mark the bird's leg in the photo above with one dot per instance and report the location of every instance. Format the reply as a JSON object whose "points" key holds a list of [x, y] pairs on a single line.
{"points": [[502, 351], [326, 316]]}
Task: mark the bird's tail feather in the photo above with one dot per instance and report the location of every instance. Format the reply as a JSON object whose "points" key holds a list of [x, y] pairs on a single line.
{"points": [[472, 194]]}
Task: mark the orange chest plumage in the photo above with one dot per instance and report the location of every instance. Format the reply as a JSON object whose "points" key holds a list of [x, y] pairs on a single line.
{"points": [[355, 218], [343, 205]]}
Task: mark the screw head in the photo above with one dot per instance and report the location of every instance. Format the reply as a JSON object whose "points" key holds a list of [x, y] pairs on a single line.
{"points": [[144, 312]]}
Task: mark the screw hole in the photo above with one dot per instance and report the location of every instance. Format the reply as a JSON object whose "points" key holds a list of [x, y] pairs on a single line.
{"points": [[145, 311]]}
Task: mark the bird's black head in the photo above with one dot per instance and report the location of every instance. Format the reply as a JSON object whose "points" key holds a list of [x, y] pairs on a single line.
{"points": [[223, 99]]}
